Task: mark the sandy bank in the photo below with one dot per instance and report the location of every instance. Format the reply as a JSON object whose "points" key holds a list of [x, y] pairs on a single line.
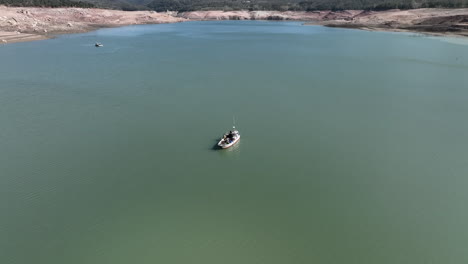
{"points": [[432, 21], [427, 20], [11, 37], [25, 24], [267, 15]]}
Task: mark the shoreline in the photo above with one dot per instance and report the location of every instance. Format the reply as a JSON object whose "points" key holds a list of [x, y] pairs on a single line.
{"points": [[20, 24], [14, 37], [394, 30]]}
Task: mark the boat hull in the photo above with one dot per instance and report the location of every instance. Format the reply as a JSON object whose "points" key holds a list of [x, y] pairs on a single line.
{"points": [[223, 145]]}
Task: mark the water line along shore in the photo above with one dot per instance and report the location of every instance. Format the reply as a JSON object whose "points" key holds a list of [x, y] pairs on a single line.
{"points": [[32, 23]]}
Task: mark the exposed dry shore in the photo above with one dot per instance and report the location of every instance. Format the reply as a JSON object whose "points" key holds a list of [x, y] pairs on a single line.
{"points": [[26, 24], [426, 20], [453, 22]]}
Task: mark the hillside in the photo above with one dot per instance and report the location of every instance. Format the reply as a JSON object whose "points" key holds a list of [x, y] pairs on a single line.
{"points": [[301, 5], [230, 5], [126, 5], [46, 3], [30, 23]]}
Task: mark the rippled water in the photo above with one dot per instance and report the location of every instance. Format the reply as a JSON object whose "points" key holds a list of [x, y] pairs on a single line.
{"points": [[353, 146]]}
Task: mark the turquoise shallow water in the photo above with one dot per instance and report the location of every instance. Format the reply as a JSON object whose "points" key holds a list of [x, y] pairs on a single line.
{"points": [[353, 146]]}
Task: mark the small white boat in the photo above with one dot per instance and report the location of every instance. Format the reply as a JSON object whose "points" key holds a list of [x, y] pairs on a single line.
{"points": [[229, 139], [98, 44]]}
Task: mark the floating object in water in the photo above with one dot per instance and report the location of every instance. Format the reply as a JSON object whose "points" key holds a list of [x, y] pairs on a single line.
{"points": [[98, 44], [229, 139]]}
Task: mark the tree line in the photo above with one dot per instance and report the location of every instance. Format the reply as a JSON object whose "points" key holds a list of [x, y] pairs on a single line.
{"points": [[301, 5], [46, 3]]}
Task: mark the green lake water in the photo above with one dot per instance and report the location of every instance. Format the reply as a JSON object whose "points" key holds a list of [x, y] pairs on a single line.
{"points": [[354, 146]]}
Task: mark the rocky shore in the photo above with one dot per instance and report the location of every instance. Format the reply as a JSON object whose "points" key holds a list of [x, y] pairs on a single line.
{"points": [[425, 20], [452, 22], [26, 24]]}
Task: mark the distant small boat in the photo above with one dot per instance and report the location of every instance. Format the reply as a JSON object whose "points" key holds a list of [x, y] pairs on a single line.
{"points": [[98, 44], [229, 139]]}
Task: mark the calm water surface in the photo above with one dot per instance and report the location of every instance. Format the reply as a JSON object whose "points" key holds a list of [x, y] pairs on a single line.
{"points": [[354, 146]]}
